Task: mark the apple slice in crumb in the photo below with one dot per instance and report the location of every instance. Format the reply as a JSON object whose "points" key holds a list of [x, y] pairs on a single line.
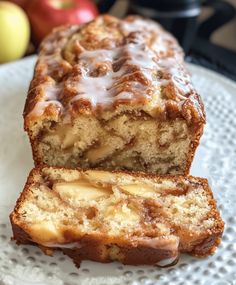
{"points": [[81, 190], [143, 190], [99, 176], [44, 232]]}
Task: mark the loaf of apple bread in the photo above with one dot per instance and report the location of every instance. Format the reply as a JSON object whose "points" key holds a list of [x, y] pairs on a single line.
{"points": [[113, 94], [103, 216]]}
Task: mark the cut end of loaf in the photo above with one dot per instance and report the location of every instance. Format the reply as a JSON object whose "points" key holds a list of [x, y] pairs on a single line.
{"points": [[119, 212], [125, 142]]}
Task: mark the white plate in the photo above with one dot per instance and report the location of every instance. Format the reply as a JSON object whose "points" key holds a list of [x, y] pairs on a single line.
{"points": [[216, 160]]}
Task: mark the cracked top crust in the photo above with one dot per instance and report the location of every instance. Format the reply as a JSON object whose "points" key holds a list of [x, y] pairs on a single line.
{"points": [[109, 66]]}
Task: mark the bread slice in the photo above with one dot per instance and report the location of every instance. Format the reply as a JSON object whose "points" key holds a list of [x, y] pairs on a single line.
{"points": [[113, 94], [106, 216]]}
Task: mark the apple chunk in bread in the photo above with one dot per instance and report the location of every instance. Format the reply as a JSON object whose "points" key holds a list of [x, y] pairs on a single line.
{"points": [[81, 190]]}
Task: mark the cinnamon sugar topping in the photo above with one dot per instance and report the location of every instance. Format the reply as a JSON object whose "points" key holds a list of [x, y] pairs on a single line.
{"points": [[109, 62]]}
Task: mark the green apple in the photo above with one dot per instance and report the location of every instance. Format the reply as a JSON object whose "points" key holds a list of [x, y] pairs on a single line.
{"points": [[14, 32]]}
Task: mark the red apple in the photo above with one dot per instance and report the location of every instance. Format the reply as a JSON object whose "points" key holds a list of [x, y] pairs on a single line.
{"points": [[44, 15]]}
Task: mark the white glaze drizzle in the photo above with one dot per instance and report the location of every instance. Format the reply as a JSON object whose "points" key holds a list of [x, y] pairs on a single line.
{"points": [[94, 89], [52, 92], [180, 78], [97, 55], [167, 261], [138, 25], [103, 90], [51, 97], [107, 89], [162, 38], [100, 90], [40, 107]]}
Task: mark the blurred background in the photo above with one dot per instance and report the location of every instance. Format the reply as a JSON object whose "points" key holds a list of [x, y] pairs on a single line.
{"points": [[205, 29]]}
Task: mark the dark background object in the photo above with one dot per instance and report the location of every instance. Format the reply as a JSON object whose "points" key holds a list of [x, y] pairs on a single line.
{"points": [[213, 56], [181, 18], [208, 54]]}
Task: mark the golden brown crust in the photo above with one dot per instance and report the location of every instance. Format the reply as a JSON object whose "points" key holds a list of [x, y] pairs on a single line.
{"points": [[101, 248], [129, 255], [95, 250], [194, 144], [148, 71]]}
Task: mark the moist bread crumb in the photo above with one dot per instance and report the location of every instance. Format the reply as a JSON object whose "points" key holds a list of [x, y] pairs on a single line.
{"points": [[107, 216]]}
